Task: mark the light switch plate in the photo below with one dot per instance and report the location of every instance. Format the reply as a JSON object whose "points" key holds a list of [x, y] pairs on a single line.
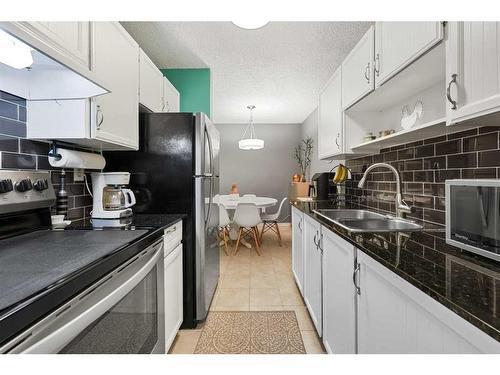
{"points": [[78, 174]]}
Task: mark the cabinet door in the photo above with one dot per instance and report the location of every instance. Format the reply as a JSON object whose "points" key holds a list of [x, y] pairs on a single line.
{"points": [[173, 295], [297, 248], [330, 118], [71, 38], [472, 69], [312, 271], [339, 294], [116, 60], [398, 44], [357, 70], [171, 97], [150, 84], [396, 317]]}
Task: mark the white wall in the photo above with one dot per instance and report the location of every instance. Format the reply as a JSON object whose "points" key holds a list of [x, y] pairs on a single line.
{"points": [[265, 172], [310, 129]]}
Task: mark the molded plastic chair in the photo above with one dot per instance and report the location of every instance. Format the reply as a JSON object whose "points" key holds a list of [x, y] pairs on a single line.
{"points": [[224, 226], [270, 222], [247, 217]]}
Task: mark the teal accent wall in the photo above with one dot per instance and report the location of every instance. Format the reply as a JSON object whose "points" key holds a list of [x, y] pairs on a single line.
{"points": [[193, 86]]}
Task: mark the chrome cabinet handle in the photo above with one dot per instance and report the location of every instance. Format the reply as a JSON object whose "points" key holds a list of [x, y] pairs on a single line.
{"points": [[314, 239], [377, 65], [337, 140], [99, 122], [171, 230], [355, 278], [300, 225], [367, 72], [448, 91]]}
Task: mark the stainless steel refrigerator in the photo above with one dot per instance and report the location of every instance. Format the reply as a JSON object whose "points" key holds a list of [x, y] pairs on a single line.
{"points": [[176, 171]]}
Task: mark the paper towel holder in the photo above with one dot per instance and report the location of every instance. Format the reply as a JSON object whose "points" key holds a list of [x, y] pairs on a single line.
{"points": [[53, 151]]}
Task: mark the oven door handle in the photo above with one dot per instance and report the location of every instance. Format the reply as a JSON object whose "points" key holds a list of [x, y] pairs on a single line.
{"points": [[93, 305]]}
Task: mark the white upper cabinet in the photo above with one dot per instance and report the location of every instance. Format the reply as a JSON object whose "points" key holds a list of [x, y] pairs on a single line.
{"points": [[472, 69], [71, 38], [398, 44], [115, 57], [339, 294], [298, 248], [171, 97], [151, 84], [357, 70], [330, 118]]}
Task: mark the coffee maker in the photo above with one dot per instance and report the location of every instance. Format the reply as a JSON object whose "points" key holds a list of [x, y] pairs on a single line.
{"points": [[111, 199]]}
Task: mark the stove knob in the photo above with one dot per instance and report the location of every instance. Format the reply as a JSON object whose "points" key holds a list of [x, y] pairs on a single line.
{"points": [[41, 185], [24, 185], [6, 186]]}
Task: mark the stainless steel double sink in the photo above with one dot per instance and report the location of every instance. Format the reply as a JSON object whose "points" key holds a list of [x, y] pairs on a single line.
{"points": [[362, 221]]}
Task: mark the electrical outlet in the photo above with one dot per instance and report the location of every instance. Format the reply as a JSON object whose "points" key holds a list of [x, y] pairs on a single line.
{"points": [[78, 174]]}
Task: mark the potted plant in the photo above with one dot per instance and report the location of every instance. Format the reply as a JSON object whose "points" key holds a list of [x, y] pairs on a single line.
{"points": [[302, 154]]}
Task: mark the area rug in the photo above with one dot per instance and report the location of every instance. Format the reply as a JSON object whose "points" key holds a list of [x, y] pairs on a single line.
{"points": [[251, 332]]}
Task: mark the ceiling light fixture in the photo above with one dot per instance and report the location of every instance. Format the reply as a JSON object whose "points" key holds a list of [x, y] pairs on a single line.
{"points": [[250, 24], [250, 143], [13, 52]]}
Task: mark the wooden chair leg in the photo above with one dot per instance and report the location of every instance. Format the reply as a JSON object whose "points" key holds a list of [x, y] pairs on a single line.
{"points": [[278, 232], [225, 241], [238, 241], [255, 236], [262, 231]]}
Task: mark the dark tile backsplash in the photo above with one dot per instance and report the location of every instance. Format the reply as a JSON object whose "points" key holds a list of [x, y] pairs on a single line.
{"points": [[425, 165], [17, 152]]}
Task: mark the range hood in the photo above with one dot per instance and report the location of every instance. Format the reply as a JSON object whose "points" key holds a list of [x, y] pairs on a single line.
{"points": [[47, 75]]}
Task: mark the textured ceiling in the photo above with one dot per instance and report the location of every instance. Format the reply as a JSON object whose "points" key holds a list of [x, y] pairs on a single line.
{"points": [[280, 68]]}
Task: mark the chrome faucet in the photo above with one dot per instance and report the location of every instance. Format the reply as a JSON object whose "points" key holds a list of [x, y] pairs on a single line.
{"points": [[401, 207]]}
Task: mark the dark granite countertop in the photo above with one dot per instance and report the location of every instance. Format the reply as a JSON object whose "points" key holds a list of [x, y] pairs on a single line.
{"points": [[466, 283]]}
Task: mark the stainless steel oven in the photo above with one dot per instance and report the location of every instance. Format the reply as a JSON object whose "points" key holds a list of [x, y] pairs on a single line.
{"points": [[123, 312], [473, 216]]}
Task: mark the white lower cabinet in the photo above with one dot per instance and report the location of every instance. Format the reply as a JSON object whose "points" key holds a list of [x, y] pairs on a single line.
{"points": [[339, 294], [173, 283], [312, 271], [359, 306], [396, 317], [298, 248]]}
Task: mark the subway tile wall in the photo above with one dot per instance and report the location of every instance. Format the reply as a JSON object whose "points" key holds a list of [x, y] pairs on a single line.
{"points": [[425, 165], [17, 152]]}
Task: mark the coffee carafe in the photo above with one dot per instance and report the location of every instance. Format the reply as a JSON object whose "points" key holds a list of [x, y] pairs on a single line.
{"points": [[111, 199]]}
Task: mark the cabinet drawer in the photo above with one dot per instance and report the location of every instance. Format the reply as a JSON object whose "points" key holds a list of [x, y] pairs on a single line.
{"points": [[172, 237]]}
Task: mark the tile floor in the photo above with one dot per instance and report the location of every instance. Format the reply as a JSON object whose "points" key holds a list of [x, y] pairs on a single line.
{"points": [[257, 283]]}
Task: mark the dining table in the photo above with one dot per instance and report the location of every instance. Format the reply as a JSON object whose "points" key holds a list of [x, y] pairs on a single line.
{"points": [[231, 201]]}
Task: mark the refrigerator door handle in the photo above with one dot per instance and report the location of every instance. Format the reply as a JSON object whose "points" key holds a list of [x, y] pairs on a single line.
{"points": [[210, 151]]}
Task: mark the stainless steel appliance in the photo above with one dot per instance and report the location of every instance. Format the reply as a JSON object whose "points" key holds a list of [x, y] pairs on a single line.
{"points": [[111, 199], [176, 171], [74, 291], [323, 186], [473, 216]]}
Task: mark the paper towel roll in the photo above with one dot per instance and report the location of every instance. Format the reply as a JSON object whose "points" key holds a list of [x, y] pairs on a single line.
{"points": [[77, 159]]}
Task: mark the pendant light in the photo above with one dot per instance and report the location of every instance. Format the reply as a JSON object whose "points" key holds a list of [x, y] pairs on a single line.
{"points": [[250, 143]]}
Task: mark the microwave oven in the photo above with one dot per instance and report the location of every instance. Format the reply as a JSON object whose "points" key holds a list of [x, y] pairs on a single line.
{"points": [[473, 216]]}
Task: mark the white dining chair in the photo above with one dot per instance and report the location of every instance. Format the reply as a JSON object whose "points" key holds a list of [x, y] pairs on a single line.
{"points": [[224, 223], [247, 218], [270, 222]]}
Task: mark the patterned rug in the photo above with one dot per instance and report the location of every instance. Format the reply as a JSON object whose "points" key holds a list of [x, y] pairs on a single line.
{"points": [[251, 332]]}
